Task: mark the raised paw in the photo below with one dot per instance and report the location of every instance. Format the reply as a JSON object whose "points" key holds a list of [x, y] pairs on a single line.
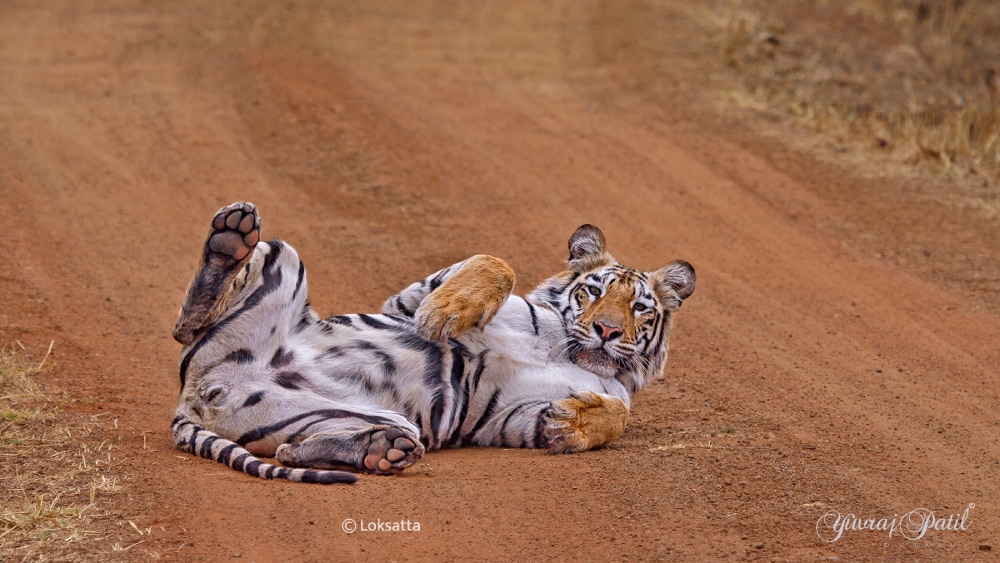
{"points": [[470, 298], [392, 450], [235, 231], [584, 421]]}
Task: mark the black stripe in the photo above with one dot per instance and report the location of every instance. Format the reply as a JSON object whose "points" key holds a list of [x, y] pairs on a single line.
{"points": [[466, 396], [341, 320], [373, 322], [282, 357], [241, 356], [225, 454], [253, 467], [506, 419], [437, 412], [263, 431], [435, 367], [457, 368], [298, 282], [253, 399], [387, 362], [290, 379], [415, 342], [298, 433], [663, 319], [402, 308], [205, 450], [269, 473], [473, 383], [438, 279], [487, 414], [457, 372], [534, 318], [237, 462], [456, 434], [305, 318], [539, 439], [271, 282]]}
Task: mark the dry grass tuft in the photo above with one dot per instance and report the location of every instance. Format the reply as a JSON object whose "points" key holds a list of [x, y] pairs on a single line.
{"points": [[916, 80], [58, 484]]}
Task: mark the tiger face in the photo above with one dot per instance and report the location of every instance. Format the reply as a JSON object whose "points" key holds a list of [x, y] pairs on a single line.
{"points": [[617, 319]]}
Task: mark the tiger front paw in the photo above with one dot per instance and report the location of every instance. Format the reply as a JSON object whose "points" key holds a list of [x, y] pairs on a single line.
{"points": [[470, 298], [584, 421]]}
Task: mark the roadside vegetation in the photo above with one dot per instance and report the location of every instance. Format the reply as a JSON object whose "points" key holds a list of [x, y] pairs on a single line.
{"points": [[915, 80], [58, 483]]}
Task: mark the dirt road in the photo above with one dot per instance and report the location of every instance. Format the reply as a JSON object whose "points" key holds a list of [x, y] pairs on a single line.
{"points": [[839, 354]]}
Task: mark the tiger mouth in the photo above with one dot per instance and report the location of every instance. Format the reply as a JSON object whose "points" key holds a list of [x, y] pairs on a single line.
{"points": [[596, 359]]}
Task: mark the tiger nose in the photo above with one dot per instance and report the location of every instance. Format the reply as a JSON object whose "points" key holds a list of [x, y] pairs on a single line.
{"points": [[607, 332]]}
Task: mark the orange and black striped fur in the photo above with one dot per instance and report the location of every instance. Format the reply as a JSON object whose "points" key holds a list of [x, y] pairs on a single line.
{"points": [[455, 359]]}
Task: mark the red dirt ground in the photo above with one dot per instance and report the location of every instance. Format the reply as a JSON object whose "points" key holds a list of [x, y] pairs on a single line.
{"points": [[840, 352]]}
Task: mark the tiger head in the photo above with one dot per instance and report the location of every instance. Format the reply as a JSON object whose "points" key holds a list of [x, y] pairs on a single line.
{"points": [[617, 319]]}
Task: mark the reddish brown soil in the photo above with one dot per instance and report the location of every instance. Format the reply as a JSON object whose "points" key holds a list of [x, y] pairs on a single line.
{"points": [[840, 352]]}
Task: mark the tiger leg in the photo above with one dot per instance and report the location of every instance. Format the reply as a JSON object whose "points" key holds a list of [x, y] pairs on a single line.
{"points": [[382, 450], [457, 298], [584, 421], [302, 428], [234, 233]]}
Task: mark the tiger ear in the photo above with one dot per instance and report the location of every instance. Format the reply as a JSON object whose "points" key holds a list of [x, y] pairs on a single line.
{"points": [[674, 283], [586, 249]]}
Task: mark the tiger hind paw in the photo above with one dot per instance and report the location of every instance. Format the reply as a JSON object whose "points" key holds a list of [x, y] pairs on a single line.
{"points": [[235, 231], [392, 451]]}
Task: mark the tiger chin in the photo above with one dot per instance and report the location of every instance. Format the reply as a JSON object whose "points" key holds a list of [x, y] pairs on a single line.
{"points": [[452, 360]]}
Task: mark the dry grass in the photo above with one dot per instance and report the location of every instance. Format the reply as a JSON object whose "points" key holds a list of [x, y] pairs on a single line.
{"points": [[915, 80], [58, 481]]}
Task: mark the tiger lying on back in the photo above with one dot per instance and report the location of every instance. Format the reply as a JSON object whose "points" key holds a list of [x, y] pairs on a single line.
{"points": [[453, 360]]}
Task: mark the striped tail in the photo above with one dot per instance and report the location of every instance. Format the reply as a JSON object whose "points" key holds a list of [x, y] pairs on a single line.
{"points": [[200, 441]]}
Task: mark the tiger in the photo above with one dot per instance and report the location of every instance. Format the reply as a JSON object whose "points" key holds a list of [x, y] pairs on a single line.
{"points": [[455, 359]]}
